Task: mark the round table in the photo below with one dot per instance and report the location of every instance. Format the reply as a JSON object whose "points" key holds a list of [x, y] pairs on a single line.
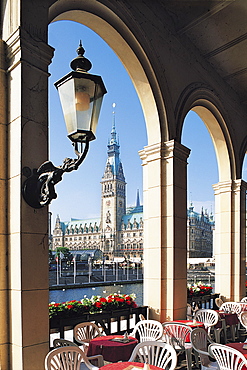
{"points": [[110, 350], [127, 366]]}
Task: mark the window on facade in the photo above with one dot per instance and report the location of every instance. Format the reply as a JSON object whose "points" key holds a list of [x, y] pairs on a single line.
{"points": [[140, 234], [128, 235], [85, 238], [70, 239], [79, 237]]}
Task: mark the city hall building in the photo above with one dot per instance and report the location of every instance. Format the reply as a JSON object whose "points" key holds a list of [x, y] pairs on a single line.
{"points": [[119, 231]]}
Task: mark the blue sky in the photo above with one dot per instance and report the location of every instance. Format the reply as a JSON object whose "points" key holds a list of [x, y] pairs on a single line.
{"points": [[79, 192]]}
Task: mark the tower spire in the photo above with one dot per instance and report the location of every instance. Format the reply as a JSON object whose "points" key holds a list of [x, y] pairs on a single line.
{"points": [[137, 199], [113, 131]]}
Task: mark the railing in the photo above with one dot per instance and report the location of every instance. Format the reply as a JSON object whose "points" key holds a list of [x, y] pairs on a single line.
{"points": [[128, 316], [206, 301], [114, 321]]}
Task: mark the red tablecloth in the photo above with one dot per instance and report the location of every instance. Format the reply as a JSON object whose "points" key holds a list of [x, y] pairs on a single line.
{"points": [[111, 351], [230, 318], [126, 366]]}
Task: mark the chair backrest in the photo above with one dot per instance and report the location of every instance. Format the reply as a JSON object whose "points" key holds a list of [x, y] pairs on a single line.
{"points": [[159, 354], [207, 316], [200, 341], [148, 330], [85, 331], [243, 319], [231, 307], [244, 299], [142, 317], [176, 334], [227, 358], [189, 315], [59, 342], [218, 302], [67, 357]]}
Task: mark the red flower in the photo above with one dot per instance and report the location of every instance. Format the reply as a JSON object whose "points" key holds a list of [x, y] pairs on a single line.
{"points": [[102, 299], [70, 306], [98, 304]]}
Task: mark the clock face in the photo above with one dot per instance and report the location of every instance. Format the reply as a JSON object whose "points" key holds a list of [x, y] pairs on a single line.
{"points": [[120, 203], [108, 202]]}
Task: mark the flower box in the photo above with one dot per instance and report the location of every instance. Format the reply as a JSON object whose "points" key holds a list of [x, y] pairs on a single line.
{"points": [[198, 289], [95, 304]]}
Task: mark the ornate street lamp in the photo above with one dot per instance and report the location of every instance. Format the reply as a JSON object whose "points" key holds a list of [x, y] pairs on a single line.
{"points": [[81, 95]]}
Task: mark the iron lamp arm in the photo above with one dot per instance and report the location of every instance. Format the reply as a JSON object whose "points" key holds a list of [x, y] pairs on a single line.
{"points": [[39, 188]]}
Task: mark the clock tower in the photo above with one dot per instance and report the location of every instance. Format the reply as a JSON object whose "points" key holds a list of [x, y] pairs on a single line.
{"points": [[113, 195]]}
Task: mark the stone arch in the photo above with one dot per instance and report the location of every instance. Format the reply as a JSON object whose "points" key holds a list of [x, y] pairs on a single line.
{"points": [[115, 33], [202, 101]]}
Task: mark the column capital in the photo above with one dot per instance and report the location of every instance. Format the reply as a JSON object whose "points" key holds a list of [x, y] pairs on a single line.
{"points": [[239, 185], [21, 47], [164, 150], [228, 186]]}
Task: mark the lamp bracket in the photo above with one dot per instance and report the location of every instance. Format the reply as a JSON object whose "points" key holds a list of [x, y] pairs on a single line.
{"points": [[39, 188]]}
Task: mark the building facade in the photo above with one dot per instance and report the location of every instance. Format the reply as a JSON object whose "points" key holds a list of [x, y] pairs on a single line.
{"points": [[200, 228], [118, 233]]}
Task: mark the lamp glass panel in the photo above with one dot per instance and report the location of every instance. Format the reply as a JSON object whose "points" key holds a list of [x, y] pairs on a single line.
{"points": [[84, 99], [67, 99]]}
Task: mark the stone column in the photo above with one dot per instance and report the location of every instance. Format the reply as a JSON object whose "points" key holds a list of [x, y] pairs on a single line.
{"points": [[165, 229], [230, 239], [27, 74], [4, 338]]}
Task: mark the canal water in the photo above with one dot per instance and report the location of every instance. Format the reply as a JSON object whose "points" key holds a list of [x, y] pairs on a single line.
{"points": [[62, 295]]}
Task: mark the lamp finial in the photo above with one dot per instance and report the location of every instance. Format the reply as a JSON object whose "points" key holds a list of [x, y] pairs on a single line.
{"points": [[81, 63]]}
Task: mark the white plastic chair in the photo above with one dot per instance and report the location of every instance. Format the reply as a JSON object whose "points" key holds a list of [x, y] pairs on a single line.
{"points": [[142, 317], [84, 332], [210, 318], [67, 357], [233, 307], [59, 342], [176, 335], [227, 358], [148, 330], [159, 354], [243, 319], [189, 315], [218, 302], [244, 299], [200, 341]]}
